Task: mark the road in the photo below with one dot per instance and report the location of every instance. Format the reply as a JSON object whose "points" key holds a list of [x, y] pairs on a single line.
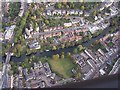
{"points": [[113, 56], [5, 75], [73, 28], [67, 29], [115, 67]]}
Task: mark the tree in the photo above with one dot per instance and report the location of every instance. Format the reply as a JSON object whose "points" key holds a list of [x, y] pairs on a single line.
{"points": [[82, 7], [67, 6], [54, 48], [80, 47], [46, 22], [62, 56], [112, 30], [90, 36], [1, 65], [37, 12], [75, 51], [59, 5], [55, 57], [94, 13], [63, 45], [41, 9], [80, 41], [63, 53], [68, 54]]}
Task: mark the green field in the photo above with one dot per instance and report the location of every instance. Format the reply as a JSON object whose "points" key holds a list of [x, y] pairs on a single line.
{"points": [[62, 67]]}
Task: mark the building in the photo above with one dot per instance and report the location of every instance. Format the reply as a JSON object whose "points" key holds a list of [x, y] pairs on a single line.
{"points": [[93, 29], [10, 82], [67, 24], [9, 32], [48, 71], [88, 75], [113, 10], [21, 13], [48, 12], [34, 45], [20, 71], [7, 7], [1, 36], [102, 72], [90, 54]]}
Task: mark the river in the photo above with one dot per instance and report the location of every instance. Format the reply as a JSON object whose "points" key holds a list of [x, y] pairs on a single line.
{"points": [[59, 51]]}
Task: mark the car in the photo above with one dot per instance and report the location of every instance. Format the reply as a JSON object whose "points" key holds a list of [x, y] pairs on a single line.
{"points": [[12, 44], [47, 50]]}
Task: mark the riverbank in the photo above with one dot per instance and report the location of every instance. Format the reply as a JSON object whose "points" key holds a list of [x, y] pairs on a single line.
{"points": [[59, 51]]}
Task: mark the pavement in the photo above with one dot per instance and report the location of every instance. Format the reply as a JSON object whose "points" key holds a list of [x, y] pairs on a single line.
{"points": [[115, 67]]}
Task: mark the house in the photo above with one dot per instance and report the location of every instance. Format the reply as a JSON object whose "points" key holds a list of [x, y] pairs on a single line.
{"points": [[27, 32], [54, 12], [29, 77], [80, 12], [96, 18], [20, 71], [63, 12], [101, 51], [49, 12], [88, 75], [7, 7], [25, 72], [33, 72], [9, 32], [102, 59], [47, 35], [57, 34], [108, 2], [10, 82], [37, 29], [91, 63], [53, 75], [86, 14], [82, 22], [93, 29], [36, 65], [40, 64], [34, 45], [78, 38], [90, 54], [59, 12], [28, 85], [102, 72], [21, 13], [72, 12], [76, 12], [29, 1], [68, 12], [1, 36], [84, 55], [67, 24], [75, 21], [35, 83], [42, 84], [113, 10], [81, 63], [31, 29], [48, 71]]}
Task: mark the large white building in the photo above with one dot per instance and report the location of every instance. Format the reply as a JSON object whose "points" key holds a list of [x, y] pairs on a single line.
{"points": [[93, 29], [9, 32]]}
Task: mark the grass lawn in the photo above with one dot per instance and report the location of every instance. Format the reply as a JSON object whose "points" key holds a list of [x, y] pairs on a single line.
{"points": [[62, 67]]}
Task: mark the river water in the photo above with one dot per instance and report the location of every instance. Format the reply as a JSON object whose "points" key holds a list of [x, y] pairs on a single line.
{"points": [[59, 51]]}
